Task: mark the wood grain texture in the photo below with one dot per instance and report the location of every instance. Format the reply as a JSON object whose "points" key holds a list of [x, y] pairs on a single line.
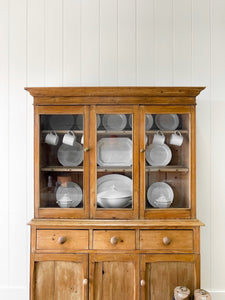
{"points": [[157, 223], [180, 240], [102, 239], [114, 277], [75, 239], [44, 280], [173, 270]]}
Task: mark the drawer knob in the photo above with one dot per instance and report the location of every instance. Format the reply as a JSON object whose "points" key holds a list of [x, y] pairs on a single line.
{"points": [[114, 240], [142, 282], [85, 281], [166, 240], [86, 149], [142, 150], [62, 239]]}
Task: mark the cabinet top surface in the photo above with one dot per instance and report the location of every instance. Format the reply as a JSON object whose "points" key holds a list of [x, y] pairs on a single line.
{"points": [[162, 223], [126, 95]]}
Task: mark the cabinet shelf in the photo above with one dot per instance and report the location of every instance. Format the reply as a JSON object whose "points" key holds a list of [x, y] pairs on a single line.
{"points": [[166, 131], [62, 169], [113, 132], [62, 131], [181, 169]]}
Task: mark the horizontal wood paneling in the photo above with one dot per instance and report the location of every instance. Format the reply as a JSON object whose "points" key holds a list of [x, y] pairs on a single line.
{"points": [[111, 42]]}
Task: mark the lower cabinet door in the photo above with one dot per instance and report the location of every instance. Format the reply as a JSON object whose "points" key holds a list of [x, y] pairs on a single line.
{"points": [[114, 277], [160, 274], [59, 277]]}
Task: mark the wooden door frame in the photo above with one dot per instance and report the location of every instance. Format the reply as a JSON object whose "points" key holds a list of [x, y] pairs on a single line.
{"points": [[57, 212], [114, 213], [36, 257], [169, 213], [152, 258]]}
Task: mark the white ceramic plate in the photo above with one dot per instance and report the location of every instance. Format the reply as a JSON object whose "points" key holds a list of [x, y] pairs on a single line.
{"points": [[71, 192], [80, 121], [160, 194], [61, 122], [114, 122], [148, 122], [167, 121], [70, 156], [158, 155], [115, 152]]}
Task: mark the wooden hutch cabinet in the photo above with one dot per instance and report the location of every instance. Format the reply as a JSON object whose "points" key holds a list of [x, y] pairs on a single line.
{"points": [[115, 201]]}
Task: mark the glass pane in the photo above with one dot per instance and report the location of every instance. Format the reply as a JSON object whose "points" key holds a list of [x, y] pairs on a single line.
{"points": [[61, 161], [114, 161], [167, 161]]}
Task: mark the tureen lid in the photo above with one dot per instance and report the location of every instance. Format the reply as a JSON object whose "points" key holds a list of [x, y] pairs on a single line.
{"points": [[114, 192]]}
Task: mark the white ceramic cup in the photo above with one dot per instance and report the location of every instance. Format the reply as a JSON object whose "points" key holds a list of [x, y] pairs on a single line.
{"points": [[176, 138], [69, 138], [52, 138], [158, 138]]}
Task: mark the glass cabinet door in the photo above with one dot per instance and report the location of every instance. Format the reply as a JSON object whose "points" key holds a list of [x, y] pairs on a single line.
{"points": [[166, 155], [62, 174], [114, 162]]}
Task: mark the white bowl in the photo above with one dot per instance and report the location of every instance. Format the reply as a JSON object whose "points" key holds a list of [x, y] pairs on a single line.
{"points": [[65, 203], [114, 202]]}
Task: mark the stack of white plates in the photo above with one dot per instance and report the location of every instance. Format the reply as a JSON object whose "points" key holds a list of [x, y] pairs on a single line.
{"points": [[115, 122], [114, 191], [167, 121], [70, 195], [160, 195]]}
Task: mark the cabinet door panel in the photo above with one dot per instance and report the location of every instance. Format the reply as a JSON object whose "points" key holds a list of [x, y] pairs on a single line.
{"points": [[68, 280], [163, 273], [59, 277], [114, 277], [44, 280]]}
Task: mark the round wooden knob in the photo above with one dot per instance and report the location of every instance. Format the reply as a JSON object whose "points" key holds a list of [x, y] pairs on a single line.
{"points": [[166, 240], [142, 150], [85, 281], [114, 240], [62, 239], [86, 149], [142, 282]]}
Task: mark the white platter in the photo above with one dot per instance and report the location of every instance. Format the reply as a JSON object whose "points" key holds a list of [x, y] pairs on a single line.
{"points": [[158, 155], [80, 121], [121, 182], [61, 122], [71, 192], [148, 122], [115, 151], [70, 156], [167, 121], [160, 194], [114, 122]]}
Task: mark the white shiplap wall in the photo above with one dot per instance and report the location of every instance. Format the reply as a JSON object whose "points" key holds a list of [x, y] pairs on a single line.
{"points": [[100, 43]]}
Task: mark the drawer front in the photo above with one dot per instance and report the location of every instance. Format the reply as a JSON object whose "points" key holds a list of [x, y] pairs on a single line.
{"points": [[114, 239], [62, 240], [167, 240]]}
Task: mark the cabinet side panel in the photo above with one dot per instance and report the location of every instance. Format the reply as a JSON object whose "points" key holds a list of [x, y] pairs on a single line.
{"points": [[68, 280], [165, 276], [44, 280]]}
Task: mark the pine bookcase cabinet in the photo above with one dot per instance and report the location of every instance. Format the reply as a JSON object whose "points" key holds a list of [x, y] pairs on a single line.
{"points": [[129, 229]]}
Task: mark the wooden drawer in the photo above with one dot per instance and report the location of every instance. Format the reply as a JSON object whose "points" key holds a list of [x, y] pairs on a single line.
{"points": [[114, 239], [66, 240], [167, 240]]}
